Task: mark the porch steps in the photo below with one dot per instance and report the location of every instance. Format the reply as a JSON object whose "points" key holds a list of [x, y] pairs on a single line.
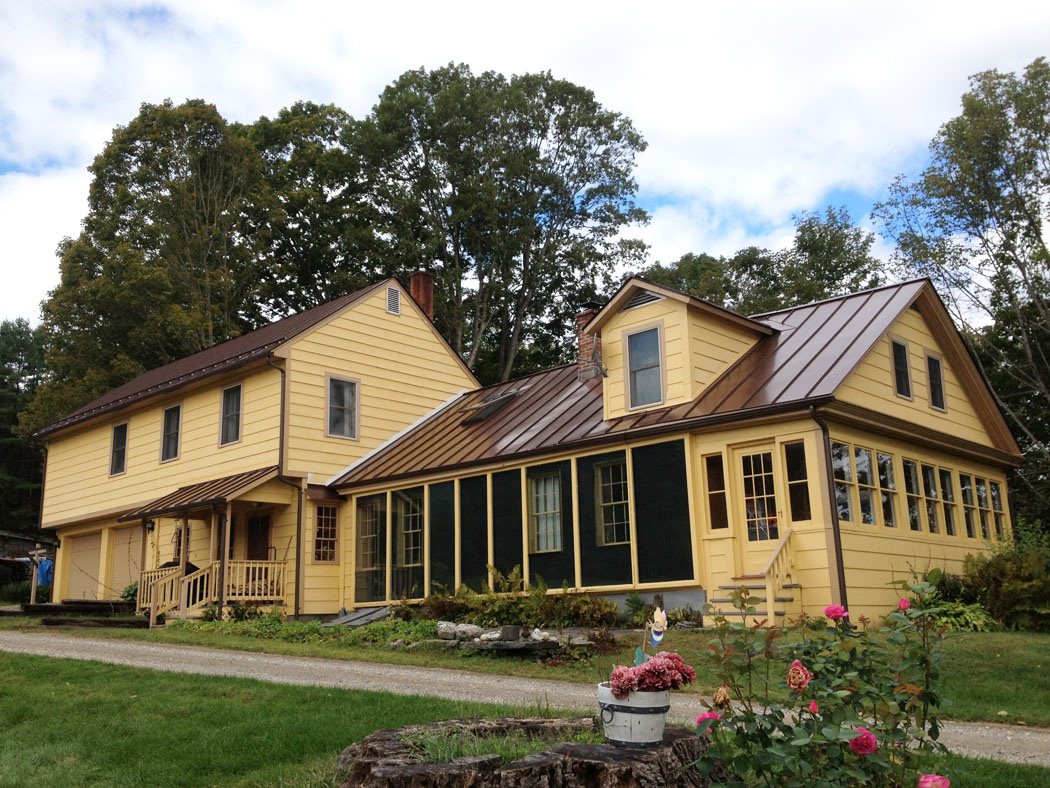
{"points": [[358, 618]]}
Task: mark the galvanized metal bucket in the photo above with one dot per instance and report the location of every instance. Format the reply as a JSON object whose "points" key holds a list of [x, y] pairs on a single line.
{"points": [[635, 721]]}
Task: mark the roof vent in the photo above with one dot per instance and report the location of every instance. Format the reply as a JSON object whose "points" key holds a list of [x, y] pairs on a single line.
{"points": [[641, 298], [393, 301], [491, 404]]}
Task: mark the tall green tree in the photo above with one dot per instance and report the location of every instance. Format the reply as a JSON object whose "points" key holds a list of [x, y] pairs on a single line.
{"points": [[829, 256], [167, 261], [514, 192], [21, 371], [975, 221]]}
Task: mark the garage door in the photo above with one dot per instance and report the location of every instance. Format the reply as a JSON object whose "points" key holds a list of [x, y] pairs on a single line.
{"points": [[125, 560], [85, 554]]}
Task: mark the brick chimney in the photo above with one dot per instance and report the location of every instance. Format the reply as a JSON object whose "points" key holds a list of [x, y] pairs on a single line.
{"points": [[588, 346], [421, 287]]}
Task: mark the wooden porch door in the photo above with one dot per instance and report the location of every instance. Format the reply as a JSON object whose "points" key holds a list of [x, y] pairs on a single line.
{"points": [[259, 537], [760, 517]]}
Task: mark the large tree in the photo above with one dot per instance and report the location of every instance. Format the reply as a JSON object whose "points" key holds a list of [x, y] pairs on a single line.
{"points": [[166, 264], [829, 256], [21, 371], [514, 192], [975, 221]]}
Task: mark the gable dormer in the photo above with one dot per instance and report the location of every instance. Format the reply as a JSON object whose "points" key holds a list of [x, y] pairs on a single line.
{"points": [[661, 347]]}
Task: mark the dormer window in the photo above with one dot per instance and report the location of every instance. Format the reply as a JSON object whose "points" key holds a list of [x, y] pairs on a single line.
{"points": [[644, 369]]}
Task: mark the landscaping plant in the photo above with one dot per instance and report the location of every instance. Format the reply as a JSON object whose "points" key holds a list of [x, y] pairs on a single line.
{"points": [[1013, 581], [860, 708]]}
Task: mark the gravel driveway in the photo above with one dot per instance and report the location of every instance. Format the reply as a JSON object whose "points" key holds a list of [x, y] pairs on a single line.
{"points": [[1014, 743]]}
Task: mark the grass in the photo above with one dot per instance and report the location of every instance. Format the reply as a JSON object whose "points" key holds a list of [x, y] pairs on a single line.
{"points": [[984, 672], [68, 722], [447, 745]]}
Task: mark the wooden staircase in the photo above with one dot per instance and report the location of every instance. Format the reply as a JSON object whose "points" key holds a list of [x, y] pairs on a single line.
{"points": [[166, 592], [774, 592]]}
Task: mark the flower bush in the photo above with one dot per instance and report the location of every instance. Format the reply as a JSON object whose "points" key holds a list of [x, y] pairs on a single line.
{"points": [[663, 671], [861, 703]]}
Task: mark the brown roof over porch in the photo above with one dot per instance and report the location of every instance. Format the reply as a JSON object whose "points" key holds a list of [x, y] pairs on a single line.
{"points": [[197, 496]]}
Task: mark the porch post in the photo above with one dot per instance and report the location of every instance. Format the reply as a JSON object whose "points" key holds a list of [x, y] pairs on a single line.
{"points": [[227, 525], [184, 536], [213, 541]]}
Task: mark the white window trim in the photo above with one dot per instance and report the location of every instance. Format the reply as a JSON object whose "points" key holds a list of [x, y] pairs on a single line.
{"points": [[240, 414], [335, 541], [599, 508], [178, 441], [533, 514], [357, 406], [627, 334], [127, 440]]}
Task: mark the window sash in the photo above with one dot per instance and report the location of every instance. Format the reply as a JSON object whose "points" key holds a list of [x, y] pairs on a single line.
{"points": [[797, 481], [935, 374], [760, 502], [545, 513], [901, 369], [410, 529], [613, 510], [118, 452], [368, 533], [644, 368], [326, 534], [169, 442], [230, 427], [342, 408]]}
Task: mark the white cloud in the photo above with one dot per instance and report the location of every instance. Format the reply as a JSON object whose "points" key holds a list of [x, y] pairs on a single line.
{"points": [[753, 111]]}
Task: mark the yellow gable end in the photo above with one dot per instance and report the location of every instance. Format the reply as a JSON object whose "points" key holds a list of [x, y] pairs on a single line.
{"points": [[871, 384]]}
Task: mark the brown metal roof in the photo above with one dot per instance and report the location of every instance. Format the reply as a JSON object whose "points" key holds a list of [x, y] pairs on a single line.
{"points": [[811, 351], [196, 496], [219, 358]]}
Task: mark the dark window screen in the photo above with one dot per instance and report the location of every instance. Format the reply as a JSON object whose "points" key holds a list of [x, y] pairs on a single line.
{"points": [[559, 567], [473, 533], [665, 550], [600, 565], [506, 520], [442, 537]]}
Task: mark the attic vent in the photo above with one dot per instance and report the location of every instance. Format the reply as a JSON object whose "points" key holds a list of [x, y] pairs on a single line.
{"points": [[488, 406], [393, 301], [641, 298]]}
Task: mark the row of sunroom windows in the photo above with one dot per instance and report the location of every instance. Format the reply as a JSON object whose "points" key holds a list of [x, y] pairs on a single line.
{"points": [[867, 492]]}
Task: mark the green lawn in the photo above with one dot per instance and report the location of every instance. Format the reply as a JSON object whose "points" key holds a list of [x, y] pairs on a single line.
{"points": [[67, 722], [984, 673]]}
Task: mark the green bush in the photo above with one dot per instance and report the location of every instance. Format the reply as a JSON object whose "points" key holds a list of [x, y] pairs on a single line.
{"points": [[18, 593], [510, 603], [130, 592], [272, 626], [961, 617], [1013, 581]]}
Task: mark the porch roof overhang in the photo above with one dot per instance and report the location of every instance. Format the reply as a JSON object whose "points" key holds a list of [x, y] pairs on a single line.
{"points": [[202, 494]]}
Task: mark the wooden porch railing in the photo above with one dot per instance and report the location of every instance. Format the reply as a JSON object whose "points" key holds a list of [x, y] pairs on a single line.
{"points": [[254, 581], [164, 595], [778, 570], [146, 581], [200, 588]]}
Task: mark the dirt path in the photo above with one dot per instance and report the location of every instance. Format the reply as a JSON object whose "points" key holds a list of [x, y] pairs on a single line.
{"points": [[1013, 743]]}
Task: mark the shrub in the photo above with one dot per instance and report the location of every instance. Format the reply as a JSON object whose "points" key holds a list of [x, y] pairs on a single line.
{"points": [[860, 710], [130, 592], [273, 626], [1013, 581], [960, 617], [19, 593]]}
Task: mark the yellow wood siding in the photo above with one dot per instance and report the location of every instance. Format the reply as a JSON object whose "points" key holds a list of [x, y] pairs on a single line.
{"points": [[714, 346], [871, 384], [125, 560], [670, 316], [84, 562], [404, 369], [78, 484]]}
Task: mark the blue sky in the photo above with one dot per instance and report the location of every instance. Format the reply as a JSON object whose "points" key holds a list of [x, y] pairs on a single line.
{"points": [[753, 112]]}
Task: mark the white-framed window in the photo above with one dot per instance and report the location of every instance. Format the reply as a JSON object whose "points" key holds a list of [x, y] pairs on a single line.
{"points": [[760, 499], [545, 513], [118, 450], [612, 503], [342, 407], [797, 481], [935, 377], [230, 418], [645, 382], [409, 523], [901, 368], [865, 485], [326, 534], [932, 499], [169, 436], [370, 529], [913, 494], [715, 479]]}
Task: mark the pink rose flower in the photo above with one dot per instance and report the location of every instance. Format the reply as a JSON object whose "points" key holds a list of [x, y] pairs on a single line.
{"points": [[835, 612], [865, 743], [798, 676], [934, 781], [708, 715], [904, 604], [813, 707]]}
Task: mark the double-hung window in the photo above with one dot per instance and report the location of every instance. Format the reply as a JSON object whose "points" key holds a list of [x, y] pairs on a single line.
{"points": [[948, 496], [645, 376], [717, 508], [887, 489], [326, 534], [935, 376], [901, 368], [996, 495], [798, 482], [913, 492], [408, 512], [118, 451], [545, 513], [342, 407], [230, 420], [613, 506], [169, 439], [929, 489]]}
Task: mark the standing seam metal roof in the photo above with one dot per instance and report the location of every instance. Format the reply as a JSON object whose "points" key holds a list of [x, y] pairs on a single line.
{"points": [[812, 350]]}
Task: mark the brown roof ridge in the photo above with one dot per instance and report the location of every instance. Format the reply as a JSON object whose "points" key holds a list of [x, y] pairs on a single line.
{"points": [[230, 354], [762, 315]]}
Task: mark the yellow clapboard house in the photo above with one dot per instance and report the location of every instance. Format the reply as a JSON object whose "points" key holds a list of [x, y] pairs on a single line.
{"points": [[814, 454]]}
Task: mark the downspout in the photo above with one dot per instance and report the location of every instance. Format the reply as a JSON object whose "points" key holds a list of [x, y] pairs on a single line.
{"points": [[835, 530], [298, 494]]}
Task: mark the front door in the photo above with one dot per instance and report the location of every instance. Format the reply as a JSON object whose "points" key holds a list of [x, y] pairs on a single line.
{"points": [[760, 515], [259, 538]]}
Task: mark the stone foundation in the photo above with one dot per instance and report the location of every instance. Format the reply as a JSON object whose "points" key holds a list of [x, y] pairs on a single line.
{"points": [[382, 761]]}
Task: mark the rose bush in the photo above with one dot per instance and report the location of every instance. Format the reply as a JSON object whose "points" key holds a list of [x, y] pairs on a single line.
{"points": [[860, 709]]}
